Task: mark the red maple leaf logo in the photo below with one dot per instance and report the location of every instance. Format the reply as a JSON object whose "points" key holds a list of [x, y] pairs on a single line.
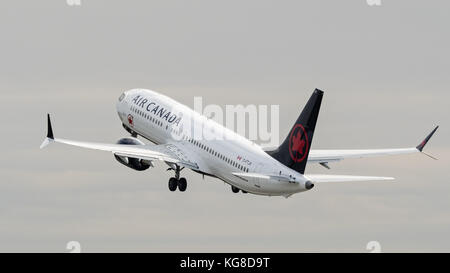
{"points": [[298, 144], [130, 120]]}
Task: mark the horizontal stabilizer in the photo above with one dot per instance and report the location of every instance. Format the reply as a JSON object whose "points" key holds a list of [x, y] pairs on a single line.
{"points": [[280, 178], [323, 178]]}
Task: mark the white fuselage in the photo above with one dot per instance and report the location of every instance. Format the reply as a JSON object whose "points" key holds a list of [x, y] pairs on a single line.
{"points": [[216, 150]]}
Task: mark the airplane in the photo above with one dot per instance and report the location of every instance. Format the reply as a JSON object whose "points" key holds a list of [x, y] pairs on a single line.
{"points": [[173, 129]]}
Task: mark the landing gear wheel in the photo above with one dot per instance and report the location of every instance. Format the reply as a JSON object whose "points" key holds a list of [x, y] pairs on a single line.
{"points": [[182, 184], [173, 183], [234, 189]]}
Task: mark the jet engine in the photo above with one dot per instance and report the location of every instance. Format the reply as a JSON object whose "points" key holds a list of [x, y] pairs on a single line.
{"points": [[133, 163]]}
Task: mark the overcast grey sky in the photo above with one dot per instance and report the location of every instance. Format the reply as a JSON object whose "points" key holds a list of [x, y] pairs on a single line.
{"points": [[384, 70]]}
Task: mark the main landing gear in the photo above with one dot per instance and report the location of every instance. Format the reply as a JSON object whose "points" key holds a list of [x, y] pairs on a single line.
{"points": [[181, 184], [236, 190], [177, 182]]}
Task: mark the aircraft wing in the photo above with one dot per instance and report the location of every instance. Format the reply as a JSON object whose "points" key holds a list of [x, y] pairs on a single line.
{"points": [[314, 178], [323, 178], [325, 156], [167, 152]]}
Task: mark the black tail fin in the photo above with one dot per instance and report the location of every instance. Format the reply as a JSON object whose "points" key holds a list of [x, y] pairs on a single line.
{"points": [[294, 151]]}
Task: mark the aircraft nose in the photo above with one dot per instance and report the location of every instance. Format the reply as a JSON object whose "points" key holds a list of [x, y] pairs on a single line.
{"points": [[122, 96]]}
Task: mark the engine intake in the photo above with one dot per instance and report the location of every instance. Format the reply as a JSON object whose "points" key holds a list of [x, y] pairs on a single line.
{"points": [[131, 162]]}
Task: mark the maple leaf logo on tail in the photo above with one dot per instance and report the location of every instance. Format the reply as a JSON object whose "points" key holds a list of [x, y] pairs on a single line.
{"points": [[298, 144], [294, 151]]}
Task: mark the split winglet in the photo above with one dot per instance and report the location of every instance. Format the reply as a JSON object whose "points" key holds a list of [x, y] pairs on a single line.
{"points": [[50, 137], [425, 141], [49, 128]]}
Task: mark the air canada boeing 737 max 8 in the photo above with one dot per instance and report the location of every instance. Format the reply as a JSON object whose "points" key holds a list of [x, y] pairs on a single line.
{"points": [[185, 139]]}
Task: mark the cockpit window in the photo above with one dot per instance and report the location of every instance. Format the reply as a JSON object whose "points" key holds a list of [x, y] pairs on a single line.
{"points": [[122, 97]]}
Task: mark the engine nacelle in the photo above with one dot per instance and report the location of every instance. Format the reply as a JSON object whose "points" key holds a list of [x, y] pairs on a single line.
{"points": [[131, 162]]}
